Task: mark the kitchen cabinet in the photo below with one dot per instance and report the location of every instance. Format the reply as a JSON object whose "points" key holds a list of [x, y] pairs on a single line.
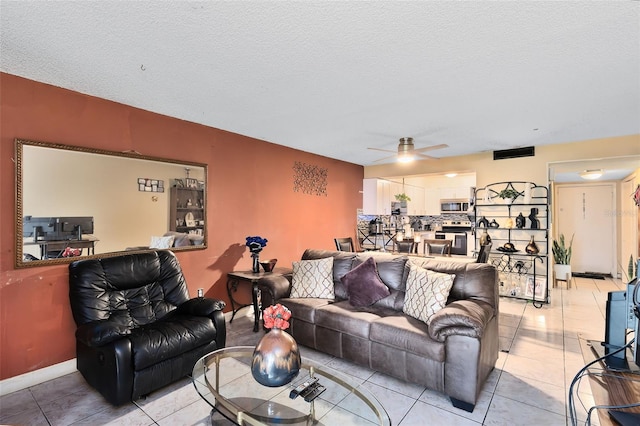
{"points": [[522, 274], [376, 197], [416, 206], [432, 201]]}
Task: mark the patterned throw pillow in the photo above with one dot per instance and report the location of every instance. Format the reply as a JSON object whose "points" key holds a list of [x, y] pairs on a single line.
{"points": [[427, 292], [161, 242], [364, 285], [313, 278]]}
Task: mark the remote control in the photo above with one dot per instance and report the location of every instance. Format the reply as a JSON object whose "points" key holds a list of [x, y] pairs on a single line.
{"points": [[315, 392], [302, 386]]}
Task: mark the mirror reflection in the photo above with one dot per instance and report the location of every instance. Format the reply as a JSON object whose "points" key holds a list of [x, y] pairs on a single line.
{"points": [[74, 202]]}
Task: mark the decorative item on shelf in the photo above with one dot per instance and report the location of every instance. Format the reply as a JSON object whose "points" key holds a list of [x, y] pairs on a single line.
{"points": [[269, 265], [532, 247], [494, 224], [508, 223], [508, 248], [487, 197], [509, 195], [485, 238], [636, 196], [562, 257], [527, 193], [483, 221], [256, 244], [535, 223], [520, 221], [276, 359]]}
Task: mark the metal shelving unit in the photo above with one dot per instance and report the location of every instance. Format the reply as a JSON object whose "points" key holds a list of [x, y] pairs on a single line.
{"points": [[522, 275]]}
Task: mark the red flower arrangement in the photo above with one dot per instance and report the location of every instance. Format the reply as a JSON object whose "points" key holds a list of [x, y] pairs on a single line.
{"points": [[276, 316], [71, 252]]}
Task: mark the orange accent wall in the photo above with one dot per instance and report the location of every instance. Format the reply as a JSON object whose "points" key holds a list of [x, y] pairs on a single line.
{"points": [[250, 192]]}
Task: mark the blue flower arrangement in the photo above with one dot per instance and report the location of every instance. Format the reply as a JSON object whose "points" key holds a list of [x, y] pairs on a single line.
{"points": [[256, 244]]}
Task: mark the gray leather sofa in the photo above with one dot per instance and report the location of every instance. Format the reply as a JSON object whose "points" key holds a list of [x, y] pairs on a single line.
{"points": [[453, 355]]}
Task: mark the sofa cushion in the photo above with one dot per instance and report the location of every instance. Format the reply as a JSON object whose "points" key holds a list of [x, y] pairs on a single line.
{"points": [[390, 268], [344, 317], [427, 292], [313, 278], [408, 334], [304, 308], [342, 263], [364, 285], [168, 338]]}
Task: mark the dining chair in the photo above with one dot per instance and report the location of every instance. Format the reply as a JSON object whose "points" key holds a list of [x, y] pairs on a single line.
{"points": [[344, 244], [437, 247], [405, 246]]}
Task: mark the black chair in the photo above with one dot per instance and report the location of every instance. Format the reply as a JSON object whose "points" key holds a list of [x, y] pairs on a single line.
{"points": [[344, 244], [437, 247], [137, 328], [483, 254]]}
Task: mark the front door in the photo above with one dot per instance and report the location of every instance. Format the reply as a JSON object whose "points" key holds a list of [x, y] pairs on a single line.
{"points": [[587, 211]]}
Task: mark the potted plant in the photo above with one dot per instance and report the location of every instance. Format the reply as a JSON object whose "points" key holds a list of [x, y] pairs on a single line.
{"points": [[402, 197], [508, 194], [562, 258]]}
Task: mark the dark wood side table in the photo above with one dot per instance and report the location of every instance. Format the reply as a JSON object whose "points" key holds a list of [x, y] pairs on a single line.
{"points": [[235, 278], [613, 388]]}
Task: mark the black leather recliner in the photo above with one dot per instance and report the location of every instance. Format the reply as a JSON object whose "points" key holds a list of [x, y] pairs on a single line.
{"points": [[137, 328]]}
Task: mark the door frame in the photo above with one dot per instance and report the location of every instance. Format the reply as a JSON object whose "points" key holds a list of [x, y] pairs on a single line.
{"points": [[612, 217]]}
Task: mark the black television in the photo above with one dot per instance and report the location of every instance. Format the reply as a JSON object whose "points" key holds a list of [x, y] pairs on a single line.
{"points": [[56, 228], [622, 314]]}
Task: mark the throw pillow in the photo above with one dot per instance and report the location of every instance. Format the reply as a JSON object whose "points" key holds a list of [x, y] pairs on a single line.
{"points": [[313, 278], [161, 242], [364, 285], [427, 292]]}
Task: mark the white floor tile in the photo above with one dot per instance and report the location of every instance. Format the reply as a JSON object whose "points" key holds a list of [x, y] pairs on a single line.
{"points": [[540, 355]]}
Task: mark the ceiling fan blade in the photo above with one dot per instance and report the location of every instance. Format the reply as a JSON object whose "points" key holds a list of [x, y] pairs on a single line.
{"points": [[431, 148], [425, 156], [385, 158], [383, 150]]}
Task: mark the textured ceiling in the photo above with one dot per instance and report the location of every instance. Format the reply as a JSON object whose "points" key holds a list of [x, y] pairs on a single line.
{"points": [[334, 78]]}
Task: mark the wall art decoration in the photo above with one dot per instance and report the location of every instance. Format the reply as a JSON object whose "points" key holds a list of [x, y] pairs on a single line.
{"points": [[309, 179], [150, 185]]}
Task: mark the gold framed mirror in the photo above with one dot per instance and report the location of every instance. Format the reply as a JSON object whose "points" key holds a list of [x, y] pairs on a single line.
{"points": [[74, 202]]}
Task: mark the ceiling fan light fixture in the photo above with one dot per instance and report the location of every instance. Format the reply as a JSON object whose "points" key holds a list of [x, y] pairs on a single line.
{"points": [[592, 174], [405, 157]]}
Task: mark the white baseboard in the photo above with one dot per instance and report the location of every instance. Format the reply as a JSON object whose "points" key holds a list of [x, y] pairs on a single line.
{"points": [[32, 378], [26, 380]]}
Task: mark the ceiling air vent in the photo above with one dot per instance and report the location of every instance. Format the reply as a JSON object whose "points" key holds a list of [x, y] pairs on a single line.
{"points": [[503, 154]]}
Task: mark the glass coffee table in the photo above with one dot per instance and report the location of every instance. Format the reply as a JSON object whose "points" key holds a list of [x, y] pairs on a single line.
{"points": [[223, 379]]}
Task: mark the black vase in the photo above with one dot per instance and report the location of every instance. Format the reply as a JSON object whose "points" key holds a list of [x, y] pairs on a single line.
{"points": [[256, 263], [520, 221]]}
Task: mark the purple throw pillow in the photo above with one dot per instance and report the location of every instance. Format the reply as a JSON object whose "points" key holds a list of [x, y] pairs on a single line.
{"points": [[364, 285]]}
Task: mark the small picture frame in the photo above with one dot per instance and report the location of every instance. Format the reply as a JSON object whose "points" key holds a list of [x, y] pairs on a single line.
{"points": [[192, 183], [540, 292]]}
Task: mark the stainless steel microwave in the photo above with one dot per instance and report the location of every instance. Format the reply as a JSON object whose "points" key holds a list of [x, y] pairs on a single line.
{"points": [[454, 206]]}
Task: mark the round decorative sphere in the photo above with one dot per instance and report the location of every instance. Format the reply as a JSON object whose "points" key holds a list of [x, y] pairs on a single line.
{"points": [[276, 359]]}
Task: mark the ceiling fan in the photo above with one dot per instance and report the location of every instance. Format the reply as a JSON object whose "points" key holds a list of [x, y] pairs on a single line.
{"points": [[407, 151]]}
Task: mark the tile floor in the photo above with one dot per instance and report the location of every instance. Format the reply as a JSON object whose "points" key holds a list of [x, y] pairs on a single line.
{"points": [[540, 355]]}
